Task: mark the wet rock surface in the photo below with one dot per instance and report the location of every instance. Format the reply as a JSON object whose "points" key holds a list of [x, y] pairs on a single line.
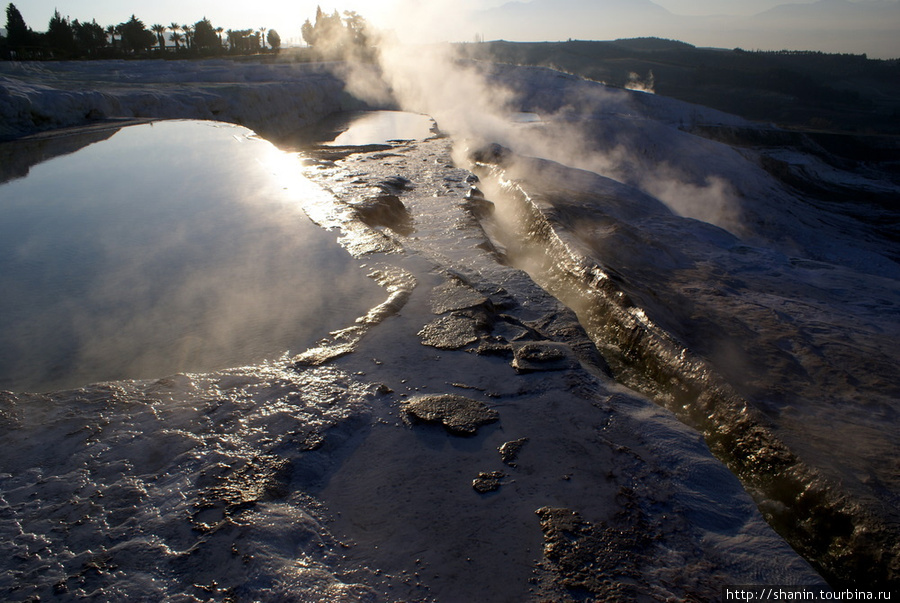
{"points": [[459, 415], [488, 481], [385, 210], [582, 452], [509, 451], [306, 483], [598, 561], [450, 332], [456, 295], [542, 356]]}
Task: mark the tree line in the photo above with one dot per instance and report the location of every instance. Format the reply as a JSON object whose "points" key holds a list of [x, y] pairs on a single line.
{"points": [[68, 39], [333, 37]]}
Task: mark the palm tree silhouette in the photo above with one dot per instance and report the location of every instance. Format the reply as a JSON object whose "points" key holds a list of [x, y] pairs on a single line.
{"points": [[160, 31], [262, 37], [188, 35], [176, 37], [111, 32]]}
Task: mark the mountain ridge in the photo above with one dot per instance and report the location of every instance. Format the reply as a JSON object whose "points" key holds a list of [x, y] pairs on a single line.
{"points": [[825, 25]]}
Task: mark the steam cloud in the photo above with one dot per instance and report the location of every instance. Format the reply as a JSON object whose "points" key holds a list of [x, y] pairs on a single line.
{"points": [[582, 125]]}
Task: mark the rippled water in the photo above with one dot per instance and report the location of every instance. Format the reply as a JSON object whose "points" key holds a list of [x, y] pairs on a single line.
{"points": [[173, 246]]}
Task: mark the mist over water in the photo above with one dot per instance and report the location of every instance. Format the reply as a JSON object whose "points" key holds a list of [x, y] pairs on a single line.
{"points": [[383, 127], [175, 246]]}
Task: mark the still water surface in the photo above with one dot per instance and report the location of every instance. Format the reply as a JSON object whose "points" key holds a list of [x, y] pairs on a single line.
{"points": [[174, 246], [382, 127]]}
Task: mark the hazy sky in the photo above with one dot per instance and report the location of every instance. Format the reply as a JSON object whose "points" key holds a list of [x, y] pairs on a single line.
{"points": [[438, 20], [288, 15]]}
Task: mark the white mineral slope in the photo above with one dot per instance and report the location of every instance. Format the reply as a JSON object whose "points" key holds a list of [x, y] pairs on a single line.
{"points": [[272, 98], [663, 147], [771, 261]]}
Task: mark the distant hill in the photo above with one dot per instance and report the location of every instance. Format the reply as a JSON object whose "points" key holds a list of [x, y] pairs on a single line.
{"points": [[866, 27], [810, 90], [566, 19], [859, 27]]}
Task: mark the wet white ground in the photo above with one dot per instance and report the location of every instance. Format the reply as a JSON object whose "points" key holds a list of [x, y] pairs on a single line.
{"points": [[270, 482], [392, 505]]}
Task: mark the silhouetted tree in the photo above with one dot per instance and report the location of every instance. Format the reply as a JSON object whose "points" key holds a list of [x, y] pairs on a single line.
{"points": [[18, 35], [357, 28], [160, 31], [326, 31], [274, 39], [308, 32], [176, 37], [72, 39], [245, 41], [188, 36], [205, 36], [335, 38], [135, 37], [90, 38], [60, 36], [251, 41], [111, 31]]}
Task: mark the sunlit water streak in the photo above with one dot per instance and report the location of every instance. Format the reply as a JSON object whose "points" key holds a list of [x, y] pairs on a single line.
{"points": [[382, 127], [174, 246]]}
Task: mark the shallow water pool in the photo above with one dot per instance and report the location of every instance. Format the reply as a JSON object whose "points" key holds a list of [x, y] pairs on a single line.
{"points": [[170, 247], [382, 127]]}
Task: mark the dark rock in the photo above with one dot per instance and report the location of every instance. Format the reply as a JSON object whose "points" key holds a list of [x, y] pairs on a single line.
{"points": [[493, 154], [459, 415], [474, 193], [449, 332], [488, 481], [542, 356], [602, 561], [479, 207], [234, 489], [384, 210], [336, 153], [395, 184], [509, 452], [454, 295], [492, 348]]}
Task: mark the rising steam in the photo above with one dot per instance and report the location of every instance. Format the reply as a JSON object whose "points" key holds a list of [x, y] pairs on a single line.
{"points": [[582, 125]]}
